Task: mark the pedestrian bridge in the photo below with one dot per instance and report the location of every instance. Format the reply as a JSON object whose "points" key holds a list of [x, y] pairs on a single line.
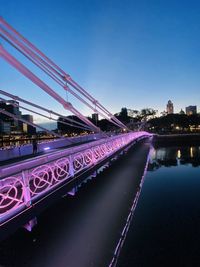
{"points": [[27, 183]]}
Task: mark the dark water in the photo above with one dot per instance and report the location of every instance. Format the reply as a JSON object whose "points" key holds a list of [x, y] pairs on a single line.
{"points": [[81, 231], [165, 230]]}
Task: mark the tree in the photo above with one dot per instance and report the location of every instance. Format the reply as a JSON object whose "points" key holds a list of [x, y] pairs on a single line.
{"points": [[146, 112], [133, 113], [123, 115]]}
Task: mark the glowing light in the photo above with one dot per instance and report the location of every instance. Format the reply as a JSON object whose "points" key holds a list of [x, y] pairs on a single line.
{"points": [[179, 154], [46, 148], [191, 152], [20, 189]]}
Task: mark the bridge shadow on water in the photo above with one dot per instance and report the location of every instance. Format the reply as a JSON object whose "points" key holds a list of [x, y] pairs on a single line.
{"points": [[83, 230]]}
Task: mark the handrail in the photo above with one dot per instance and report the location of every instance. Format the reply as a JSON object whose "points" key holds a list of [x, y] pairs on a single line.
{"points": [[39, 177]]}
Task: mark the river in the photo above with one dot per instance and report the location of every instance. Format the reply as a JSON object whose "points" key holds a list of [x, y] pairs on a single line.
{"points": [[165, 230]]}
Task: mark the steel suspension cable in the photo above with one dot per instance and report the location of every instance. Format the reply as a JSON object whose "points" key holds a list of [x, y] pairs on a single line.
{"points": [[42, 108], [62, 74], [40, 114], [28, 122]]}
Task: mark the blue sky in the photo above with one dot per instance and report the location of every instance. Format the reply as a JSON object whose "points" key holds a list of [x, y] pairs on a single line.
{"points": [[132, 54]]}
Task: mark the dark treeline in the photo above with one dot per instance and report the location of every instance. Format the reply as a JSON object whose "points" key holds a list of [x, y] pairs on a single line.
{"points": [[144, 119], [129, 117], [175, 123]]}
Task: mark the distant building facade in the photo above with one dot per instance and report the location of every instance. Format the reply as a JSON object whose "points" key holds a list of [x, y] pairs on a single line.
{"points": [[29, 129], [13, 108], [190, 110], [9, 125], [28, 117], [5, 127], [70, 126], [95, 118], [170, 107]]}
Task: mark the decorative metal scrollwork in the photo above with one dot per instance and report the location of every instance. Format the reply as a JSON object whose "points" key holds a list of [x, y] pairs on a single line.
{"points": [[78, 162], [108, 146], [97, 153], [11, 194], [19, 190], [88, 158], [61, 169], [41, 178]]}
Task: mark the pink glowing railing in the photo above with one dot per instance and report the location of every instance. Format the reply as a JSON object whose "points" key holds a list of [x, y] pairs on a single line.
{"points": [[20, 190]]}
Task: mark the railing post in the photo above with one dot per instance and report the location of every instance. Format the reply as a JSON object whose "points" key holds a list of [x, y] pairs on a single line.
{"points": [[71, 167], [93, 157], [30, 224], [27, 196], [73, 191]]}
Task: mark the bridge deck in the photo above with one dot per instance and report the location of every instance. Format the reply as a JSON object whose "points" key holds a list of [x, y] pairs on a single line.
{"points": [[26, 184], [32, 156], [84, 230]]}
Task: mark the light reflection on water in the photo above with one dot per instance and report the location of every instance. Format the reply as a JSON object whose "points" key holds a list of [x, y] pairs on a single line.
{"points": [[166, 226], [174, 156]]}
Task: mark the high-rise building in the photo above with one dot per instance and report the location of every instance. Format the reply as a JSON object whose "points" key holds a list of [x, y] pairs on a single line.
{"points": [[95, 117], [190, 110], [27, 117], [12, 108], [10, 125], [4, 127], [170, 107], [70, 127], [27, 128]]}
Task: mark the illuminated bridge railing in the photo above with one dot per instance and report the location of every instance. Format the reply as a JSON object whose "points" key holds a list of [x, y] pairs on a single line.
{"points": [[20, 190]]}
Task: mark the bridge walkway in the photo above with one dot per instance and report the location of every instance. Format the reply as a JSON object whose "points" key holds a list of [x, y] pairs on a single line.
{"points": [[42, 153], [84, 230]]}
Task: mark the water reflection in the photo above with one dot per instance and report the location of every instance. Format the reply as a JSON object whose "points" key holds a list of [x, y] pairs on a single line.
{"points": [[166, 226], [174, 156]]}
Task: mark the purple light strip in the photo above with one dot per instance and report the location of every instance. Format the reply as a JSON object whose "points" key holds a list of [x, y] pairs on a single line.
{"points": [[124, 232], [21, 190]]}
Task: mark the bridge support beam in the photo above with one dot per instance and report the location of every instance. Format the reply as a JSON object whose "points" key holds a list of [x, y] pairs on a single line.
{"points": [[30, 224], [73, 191]]}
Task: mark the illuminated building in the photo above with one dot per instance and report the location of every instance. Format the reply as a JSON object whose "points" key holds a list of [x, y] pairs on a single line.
{"points": [[170, 107], [190, 110]]}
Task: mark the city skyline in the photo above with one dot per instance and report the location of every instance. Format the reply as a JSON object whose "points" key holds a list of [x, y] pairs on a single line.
{"points": [[52, 125], [134, 49]]}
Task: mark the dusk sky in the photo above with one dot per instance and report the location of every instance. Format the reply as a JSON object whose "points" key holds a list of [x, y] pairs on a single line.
{"points": [[133, 54]]}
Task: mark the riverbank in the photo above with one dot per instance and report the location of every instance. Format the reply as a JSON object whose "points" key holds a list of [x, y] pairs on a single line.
{"points": [[176, 139]]}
